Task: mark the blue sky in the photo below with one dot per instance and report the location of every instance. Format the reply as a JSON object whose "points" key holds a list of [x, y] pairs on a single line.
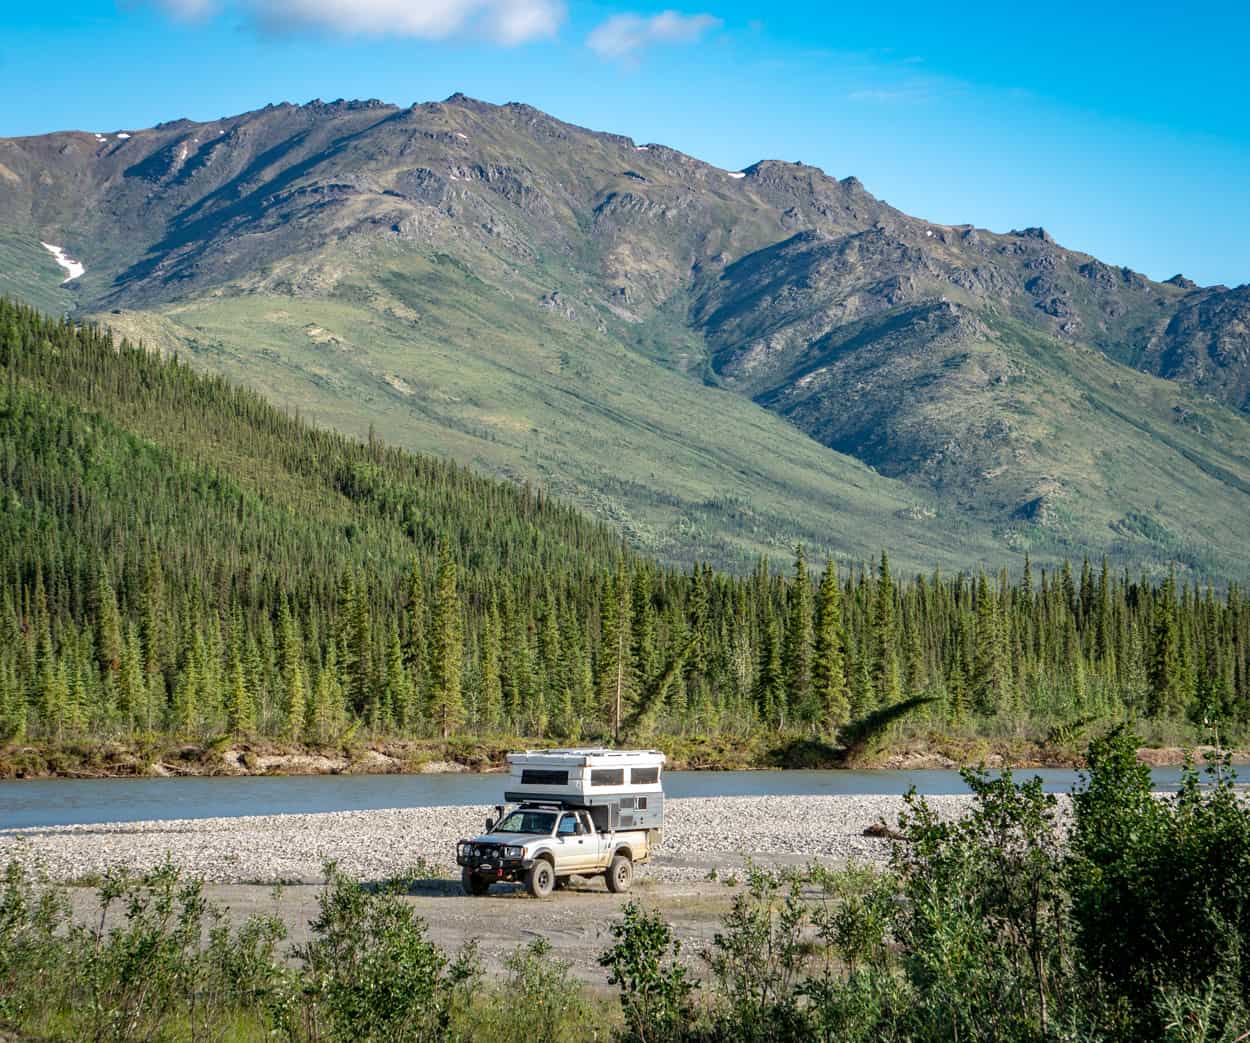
{"points": [[1123, 129]]}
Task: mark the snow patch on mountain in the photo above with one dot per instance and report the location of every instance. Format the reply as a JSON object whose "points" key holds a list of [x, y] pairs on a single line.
{"points": [[75, 268]]}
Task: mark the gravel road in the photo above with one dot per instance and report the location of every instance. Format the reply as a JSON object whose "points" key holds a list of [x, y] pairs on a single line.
{"points": [[699, 833]]}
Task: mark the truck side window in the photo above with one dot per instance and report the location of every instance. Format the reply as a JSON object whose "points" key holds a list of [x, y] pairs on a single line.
{"points": [[568, 825]]}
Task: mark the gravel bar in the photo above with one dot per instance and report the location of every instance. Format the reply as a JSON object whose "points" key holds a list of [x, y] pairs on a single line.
{"points": [[374, 845]]}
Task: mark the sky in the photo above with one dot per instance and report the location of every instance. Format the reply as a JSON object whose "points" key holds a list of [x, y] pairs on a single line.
{"points": [[1123, 129]]}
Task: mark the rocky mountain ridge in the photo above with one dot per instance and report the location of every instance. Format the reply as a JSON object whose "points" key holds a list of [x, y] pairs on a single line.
{"points": [[951, 358]]}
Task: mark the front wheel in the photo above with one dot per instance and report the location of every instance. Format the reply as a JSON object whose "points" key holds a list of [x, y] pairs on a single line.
{"points": [[620, 875], [540, 881], [473, 884]]}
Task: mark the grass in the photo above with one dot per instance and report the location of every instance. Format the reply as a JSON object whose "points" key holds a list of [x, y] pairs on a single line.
{"points": [[31, 274]]}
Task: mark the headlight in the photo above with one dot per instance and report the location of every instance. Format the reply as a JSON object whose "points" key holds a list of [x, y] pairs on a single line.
{"points": [[514, 852]]}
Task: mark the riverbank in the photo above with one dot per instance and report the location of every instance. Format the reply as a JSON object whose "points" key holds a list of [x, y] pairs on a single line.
{"points": [[161, 757], [701, 834]]}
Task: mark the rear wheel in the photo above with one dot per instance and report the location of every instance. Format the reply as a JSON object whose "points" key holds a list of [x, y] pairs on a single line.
{"points": [[540, 881], [620, 874], [473, 884]]}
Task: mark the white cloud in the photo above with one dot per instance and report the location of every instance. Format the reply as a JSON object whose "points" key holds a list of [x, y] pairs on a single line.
{"points": [[624, 35], [506, 22]]}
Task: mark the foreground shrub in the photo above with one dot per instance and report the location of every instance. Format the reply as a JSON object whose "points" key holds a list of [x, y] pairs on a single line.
{"points": [[656, 987], [157, 962], [370, 972], [1161, 897], [982, 922], [32, 955], [538, 1001]]}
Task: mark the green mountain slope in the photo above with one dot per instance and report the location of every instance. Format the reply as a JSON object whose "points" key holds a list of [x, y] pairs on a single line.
{"points": [[707, 359], [687, 471]]}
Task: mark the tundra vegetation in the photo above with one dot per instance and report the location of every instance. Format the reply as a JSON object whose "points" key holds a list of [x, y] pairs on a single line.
{"points": [[1002, 925], [182, 563]]}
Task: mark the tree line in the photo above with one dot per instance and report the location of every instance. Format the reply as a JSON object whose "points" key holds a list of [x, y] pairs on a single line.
{"points": [[178, 556]]}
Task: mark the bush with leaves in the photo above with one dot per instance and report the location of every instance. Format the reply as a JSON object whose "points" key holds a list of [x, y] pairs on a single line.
{"points": [[538, 1001], [31, 953], [371, 973], [1161, 896], [759, 958], [982, 922], [656, 986], [166, 964]]}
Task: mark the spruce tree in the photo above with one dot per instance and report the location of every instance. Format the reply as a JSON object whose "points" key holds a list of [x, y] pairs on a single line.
{"points": [[490, 704], [798, 648], [296, 701], [1163, 672], [447, 649], [770, 691], [887, 685], [240, 710], [400, 703], [108, 623], [829, 664], [615, 658], [416, 655], [989, 681]]}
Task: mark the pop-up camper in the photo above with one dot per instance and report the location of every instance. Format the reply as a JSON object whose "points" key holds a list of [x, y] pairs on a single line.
{"points": [[622, 788]]}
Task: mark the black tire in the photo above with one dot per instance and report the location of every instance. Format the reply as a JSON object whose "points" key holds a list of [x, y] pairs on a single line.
{"points": [[620, 874], [540, 880], [473, 884]]}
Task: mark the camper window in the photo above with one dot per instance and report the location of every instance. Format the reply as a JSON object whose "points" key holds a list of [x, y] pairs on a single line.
{"points": [[607, 777], [543, 777], [644, 776]]}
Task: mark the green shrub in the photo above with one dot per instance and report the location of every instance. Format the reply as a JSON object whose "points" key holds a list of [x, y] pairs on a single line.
{"points": [[538, 1001], [1161, 895], [758, 959], [372, 974], [656, 987], [982, 921]]}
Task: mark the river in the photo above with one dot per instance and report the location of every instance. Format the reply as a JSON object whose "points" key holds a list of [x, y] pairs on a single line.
{"points": [[58, 802]]}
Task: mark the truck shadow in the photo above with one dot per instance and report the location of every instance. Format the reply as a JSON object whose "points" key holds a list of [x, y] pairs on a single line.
{"points": [[434, 887]]}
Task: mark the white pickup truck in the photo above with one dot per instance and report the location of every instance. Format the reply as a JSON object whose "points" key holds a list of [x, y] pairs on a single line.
{"points": [[543, 845]]}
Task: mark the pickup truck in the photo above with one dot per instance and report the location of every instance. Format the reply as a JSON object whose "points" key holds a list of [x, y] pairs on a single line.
{"points": [[543, 845]]}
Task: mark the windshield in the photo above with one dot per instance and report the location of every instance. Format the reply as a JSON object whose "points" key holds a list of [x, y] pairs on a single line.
{"points": [[527, 822]]}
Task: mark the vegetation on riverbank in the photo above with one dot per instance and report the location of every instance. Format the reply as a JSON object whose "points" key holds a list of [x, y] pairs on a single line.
{"points": [[162, 756], [992, 927]]}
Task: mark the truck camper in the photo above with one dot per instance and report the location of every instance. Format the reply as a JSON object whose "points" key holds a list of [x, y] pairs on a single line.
{"points": [[566, 813]]}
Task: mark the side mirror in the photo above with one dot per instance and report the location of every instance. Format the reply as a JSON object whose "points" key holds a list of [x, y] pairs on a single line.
{"points": [[490, 824]]}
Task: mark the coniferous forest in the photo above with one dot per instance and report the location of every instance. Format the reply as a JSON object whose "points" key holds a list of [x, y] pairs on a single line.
{"points": [[180, 558]]}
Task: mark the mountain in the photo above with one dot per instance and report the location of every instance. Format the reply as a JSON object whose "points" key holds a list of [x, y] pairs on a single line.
{"points": [[720, 363]]}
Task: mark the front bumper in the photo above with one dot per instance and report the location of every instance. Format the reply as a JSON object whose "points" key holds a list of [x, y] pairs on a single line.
{"points": [[492, 866]]}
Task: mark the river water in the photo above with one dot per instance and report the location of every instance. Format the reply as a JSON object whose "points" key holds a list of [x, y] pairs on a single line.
{"points": [[56, 802]]}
